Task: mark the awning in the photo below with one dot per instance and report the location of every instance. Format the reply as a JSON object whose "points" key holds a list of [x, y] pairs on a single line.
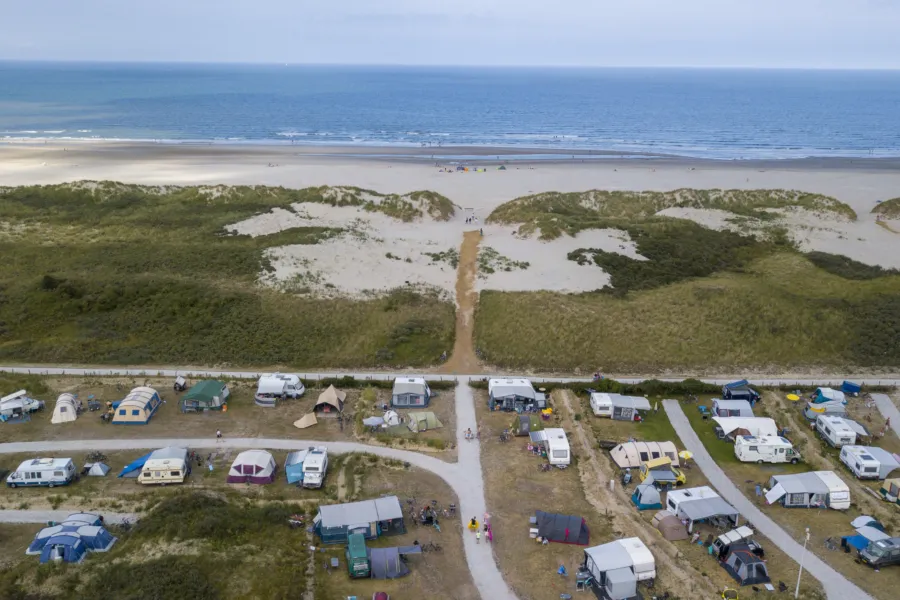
{"points": [[704, 508], [135, 466], [758, 426], [859, 429], [802, 483], [308, 420], [775, 494], [635, 402], [872, 534], [538, 436]]}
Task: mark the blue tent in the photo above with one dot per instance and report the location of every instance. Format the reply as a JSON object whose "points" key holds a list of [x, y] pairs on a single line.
{"points": [[293, 466], [64, 547], [646, 496], [95, 538], [134, 467], [857, 541], [848, 387]]}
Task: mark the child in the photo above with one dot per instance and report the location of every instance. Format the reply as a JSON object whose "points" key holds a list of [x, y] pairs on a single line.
{"points": [[477, 537]]}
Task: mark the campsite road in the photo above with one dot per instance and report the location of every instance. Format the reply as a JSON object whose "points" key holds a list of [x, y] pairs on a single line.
{"points": [[888, 410], [464, 477], [45, 516], [836, 586]]}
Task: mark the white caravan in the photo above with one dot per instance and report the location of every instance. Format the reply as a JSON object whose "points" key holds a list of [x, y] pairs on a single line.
{"points": [[765, 449], [162, 471], [48, 472], [835, 431], [558, 453], [868, 462], [278, 386], [315, 466]]}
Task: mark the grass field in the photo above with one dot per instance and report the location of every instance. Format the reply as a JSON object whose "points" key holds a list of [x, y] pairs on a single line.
{"points": [[112, 273], [225, 544]]}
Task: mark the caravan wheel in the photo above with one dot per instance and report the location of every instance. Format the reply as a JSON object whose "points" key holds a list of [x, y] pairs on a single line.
{"points": [[51, 484], [759, 462], [794, 461]]}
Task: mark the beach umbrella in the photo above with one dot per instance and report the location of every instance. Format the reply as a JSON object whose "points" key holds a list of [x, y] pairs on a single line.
{"points": [[686, 454], [793, 397]]}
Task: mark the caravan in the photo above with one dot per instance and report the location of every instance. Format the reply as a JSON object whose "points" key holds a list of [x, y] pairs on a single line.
{"points": [[767, 449], [868, 462], [48, 472], [617, 406], [315, 466], [835, 431], [277, 386], [557, 445]]}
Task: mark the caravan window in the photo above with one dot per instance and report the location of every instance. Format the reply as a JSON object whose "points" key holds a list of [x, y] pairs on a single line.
{"points": [[754, 449], [871, 470], [175, 473], [828, 431], [560, 454], [671, 505], [58, 474]]}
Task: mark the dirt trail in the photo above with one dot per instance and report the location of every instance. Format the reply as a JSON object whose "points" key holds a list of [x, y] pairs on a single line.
{"points": [[463, 359], [677, 575], [342, 484]]}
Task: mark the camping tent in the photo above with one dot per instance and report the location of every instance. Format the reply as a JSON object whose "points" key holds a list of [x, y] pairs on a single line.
{"points": [[66, 409], [646, 496], [410, 392], [252, 466], [64, 548], [828, 395], [755, 426], [797, 490], [632, 454], [391, 418], [138, 407], [832, 407], [525, 424], [386, 563], [208, 394], [563, 529], [670, 526], [307, 420], [96, 469], [423, 421], [293, 465], [746, 567], [331, 400]]}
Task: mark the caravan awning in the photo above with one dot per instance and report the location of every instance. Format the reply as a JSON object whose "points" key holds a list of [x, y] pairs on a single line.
{"points": [[859, 429], [775, 493], [801, 483], [704, 508], [609, 556], [538, 437], [635, 402], [758, 426], [365, 511]]}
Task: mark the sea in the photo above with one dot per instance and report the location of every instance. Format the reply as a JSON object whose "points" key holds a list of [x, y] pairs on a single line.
{"points": [[705, 113]]}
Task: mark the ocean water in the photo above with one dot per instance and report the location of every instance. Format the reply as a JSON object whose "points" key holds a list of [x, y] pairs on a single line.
{"points": [[712, 113]]}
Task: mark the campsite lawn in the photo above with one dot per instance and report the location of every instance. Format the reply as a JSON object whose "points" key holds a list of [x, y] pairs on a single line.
{"points": [[823, 523], [243, 418], [515, 489], [227, 543]]}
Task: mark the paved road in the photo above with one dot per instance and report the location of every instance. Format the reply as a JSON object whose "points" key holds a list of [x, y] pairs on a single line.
{"points": [[834, 380], [464, 477], [888, 410], [43, 516], [836, 586]]}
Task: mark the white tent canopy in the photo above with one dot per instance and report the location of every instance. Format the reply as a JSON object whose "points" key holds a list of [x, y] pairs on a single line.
{"points": [[66, 409], [757, 426], [632, 454]]}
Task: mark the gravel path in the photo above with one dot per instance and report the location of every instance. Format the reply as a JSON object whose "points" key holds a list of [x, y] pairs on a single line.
{"points": [[43, 516], [836, 586], [888, 410], [464, 477]]}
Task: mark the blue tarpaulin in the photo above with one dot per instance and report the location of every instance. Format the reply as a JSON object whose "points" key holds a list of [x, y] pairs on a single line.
{"points": [[857, 541], [134, 467], [848, 387]]}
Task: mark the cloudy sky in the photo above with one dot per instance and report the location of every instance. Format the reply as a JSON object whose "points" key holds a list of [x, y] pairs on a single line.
{"points": [[752, 33]]}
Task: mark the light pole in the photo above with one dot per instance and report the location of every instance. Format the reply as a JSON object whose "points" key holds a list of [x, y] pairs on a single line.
{"points": [[802, 558]]}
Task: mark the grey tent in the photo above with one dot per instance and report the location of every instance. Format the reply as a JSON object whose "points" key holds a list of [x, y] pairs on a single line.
{"points": [[670, 526], [563, 529], [646, 496], [797, 489], [745, 566], [96, 469], [373, 421], [621, 584], [386, 563]]}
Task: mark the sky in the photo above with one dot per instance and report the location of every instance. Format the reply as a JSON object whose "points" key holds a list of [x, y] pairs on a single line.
{"points": [[687, 33]]}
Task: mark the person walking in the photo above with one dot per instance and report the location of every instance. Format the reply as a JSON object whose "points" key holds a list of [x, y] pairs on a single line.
{"points": [[218, 435], [477, 537]]}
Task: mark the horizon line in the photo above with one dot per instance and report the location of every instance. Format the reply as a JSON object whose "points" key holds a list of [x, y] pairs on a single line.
{"points": [[437, 65]]}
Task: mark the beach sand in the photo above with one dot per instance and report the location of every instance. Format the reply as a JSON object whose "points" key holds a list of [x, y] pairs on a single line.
{"points": [[357, 262]]}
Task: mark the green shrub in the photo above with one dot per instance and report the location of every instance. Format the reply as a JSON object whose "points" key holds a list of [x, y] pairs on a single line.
{"points": [[848, 268]]}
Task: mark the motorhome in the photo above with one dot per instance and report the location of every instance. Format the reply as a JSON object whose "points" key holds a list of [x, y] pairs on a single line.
{"points": [[315, 466], [163, 471], [765, 449], [868, 462], [278, 386], [835, 431], [48, 472]]}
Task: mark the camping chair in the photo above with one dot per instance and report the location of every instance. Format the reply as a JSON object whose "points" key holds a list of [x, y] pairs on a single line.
{"points": [[583, 582], [703, 410]]}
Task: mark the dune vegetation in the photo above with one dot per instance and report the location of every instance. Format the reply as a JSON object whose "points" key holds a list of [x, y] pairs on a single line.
{"points": [[703, 301], [890, 209], [101, 272]]}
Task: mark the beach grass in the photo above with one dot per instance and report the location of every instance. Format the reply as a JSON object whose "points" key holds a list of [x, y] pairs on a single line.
{"points": [[889, 208], [101, 272], [781, 313]]}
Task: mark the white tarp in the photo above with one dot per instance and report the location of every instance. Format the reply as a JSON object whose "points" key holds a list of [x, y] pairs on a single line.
{"points": [[757, 426], [872, 534]]}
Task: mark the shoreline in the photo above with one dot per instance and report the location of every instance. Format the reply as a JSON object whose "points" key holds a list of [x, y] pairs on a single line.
{"points": [[446, 155]]}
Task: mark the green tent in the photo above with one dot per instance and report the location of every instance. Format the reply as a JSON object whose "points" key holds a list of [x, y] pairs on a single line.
{"points": [[525, 424], [423, 421], [206, 395]]}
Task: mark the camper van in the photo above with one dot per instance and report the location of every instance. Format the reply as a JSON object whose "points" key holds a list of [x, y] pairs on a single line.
{"points": [[882, 553], [557, 447], [162, 471], [43, 471], [315, 466], [767, 449], [278, 386], [663, 472], [835, 431]]}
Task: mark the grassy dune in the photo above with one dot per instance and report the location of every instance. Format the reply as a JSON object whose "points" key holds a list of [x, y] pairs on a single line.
{"points": [[703, 301], [889, 208], [112, 273]]}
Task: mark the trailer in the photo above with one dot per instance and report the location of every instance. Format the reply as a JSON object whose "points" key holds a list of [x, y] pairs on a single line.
{"points": [[869, 462], [835, 431]]}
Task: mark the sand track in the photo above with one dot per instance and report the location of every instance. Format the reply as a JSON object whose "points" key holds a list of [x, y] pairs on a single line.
{"points": [[463, 359]]}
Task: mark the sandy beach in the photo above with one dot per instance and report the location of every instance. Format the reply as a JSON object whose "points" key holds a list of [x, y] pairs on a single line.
{"points": [[379, 253]]}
